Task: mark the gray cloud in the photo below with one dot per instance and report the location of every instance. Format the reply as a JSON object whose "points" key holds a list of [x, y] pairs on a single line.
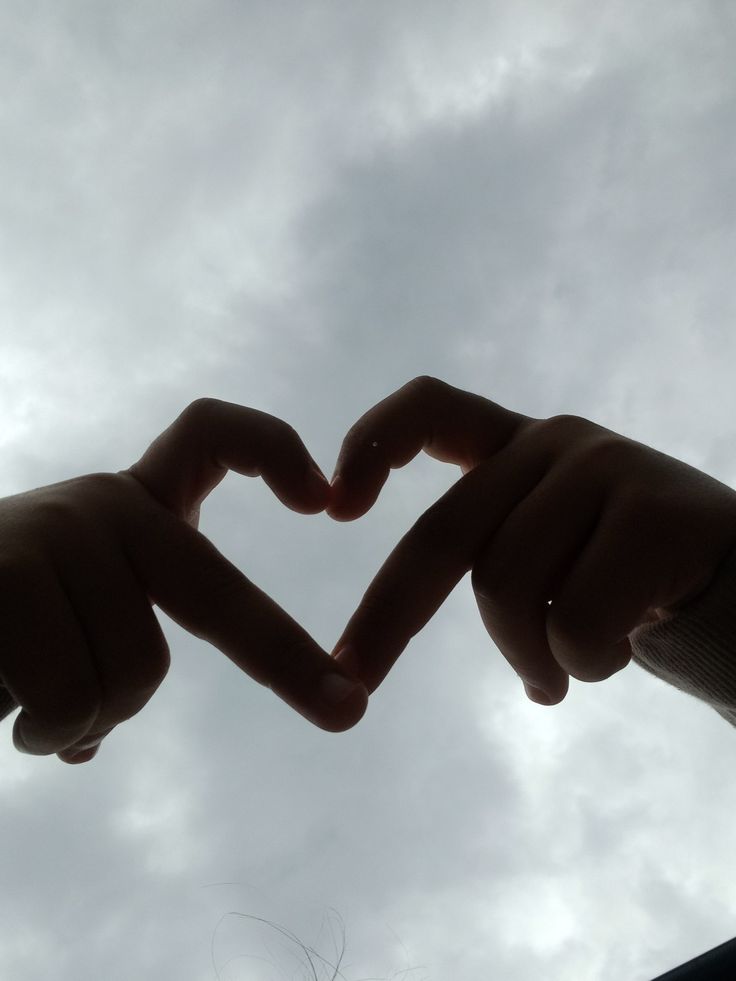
{"points": [[301, 211]]}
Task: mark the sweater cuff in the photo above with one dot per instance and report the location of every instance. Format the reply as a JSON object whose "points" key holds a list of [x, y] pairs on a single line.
{"points": [[694, 649]]}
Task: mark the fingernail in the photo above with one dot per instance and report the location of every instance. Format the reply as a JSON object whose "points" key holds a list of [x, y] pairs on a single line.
{"points": [[537, 695], [84, 755], [348, 658], [335, 688], [318, 480]]}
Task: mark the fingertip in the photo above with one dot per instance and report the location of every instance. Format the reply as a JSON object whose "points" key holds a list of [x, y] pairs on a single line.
{"points": [[318, 488], [333, 699], [341, 513], [337, 507], [337, 704], [19, 739], [79, 756], [345, 702], [347, 657], [537, 695], [552, 695], [345, 503], [310, 495], [319, 497]]}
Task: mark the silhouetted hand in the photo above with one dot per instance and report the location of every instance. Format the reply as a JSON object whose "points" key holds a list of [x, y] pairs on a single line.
{"points": [[615, 534], [82, 562]]}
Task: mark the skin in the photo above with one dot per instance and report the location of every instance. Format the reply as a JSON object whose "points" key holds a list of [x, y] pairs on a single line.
{"points": [[83, 561], [573, 535]]}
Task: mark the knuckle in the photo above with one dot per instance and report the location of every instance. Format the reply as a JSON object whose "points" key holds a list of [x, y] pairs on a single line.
{"points": [[594, 668], [359, 437], [95, 492], [357, 434], [607, 452], [284, 431], [276, 430], [69, 712], [152, 668], [53, 512], [202, 407], [563, 420], [104, 482], [198, 418], [579, 654], [566, 428], [64, 509], [425, 386], [585, 444], [644, 518], [128, 692], [489, 577], [585, 670]]}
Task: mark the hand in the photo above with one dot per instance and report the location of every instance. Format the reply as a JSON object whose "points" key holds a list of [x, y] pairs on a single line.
{"points": [[574, 535], [83, 561]]}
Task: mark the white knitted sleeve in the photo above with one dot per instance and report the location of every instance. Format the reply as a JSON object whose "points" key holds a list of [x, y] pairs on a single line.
{"points": [[694, 649]]}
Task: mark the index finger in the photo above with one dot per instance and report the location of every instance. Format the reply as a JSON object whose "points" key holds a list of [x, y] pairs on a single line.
{"points": [[201, 590], [183, 572], [432, 558], [190, 458], [449, 424]]}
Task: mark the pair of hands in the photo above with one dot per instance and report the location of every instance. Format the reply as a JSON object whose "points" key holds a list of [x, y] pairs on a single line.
{"points": [[574, 536]]}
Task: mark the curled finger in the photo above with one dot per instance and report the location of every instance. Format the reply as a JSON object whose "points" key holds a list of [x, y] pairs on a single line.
{"points": [[190, 458], [125, 640], [46, 664]]}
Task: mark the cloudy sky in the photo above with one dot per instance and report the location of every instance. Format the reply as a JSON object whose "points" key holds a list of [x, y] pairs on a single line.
{"points": [[299, 207]]}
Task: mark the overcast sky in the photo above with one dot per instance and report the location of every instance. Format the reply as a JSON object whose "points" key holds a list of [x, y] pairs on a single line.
{"points": [[299, 207]]}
